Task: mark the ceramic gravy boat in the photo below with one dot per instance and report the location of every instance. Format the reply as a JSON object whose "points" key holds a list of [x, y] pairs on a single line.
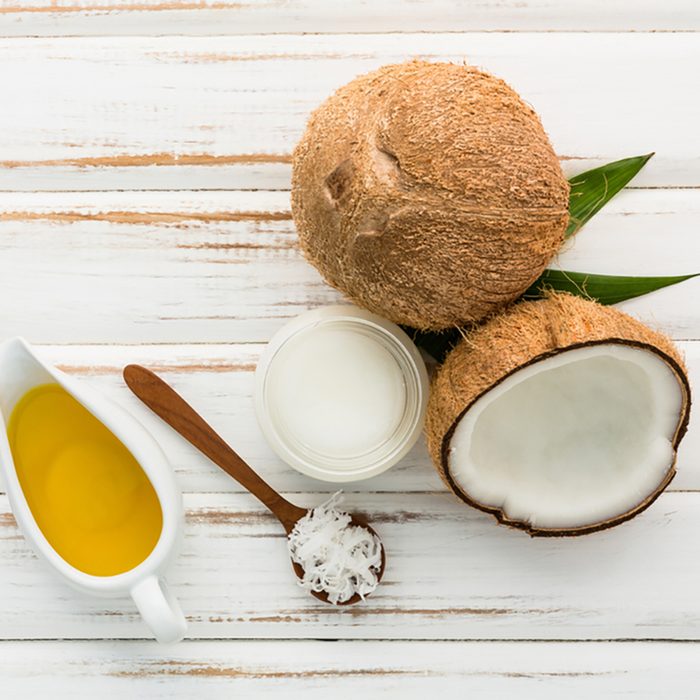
{"points": [[20, 371]]}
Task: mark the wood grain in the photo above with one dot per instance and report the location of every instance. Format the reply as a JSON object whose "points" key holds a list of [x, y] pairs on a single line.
{"points": [[225, 112], [317, 670], [211, 17], [452, 574], [169, 267]]}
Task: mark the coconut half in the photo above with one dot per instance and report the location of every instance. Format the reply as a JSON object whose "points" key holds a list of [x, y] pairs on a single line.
{"points": [[560, 416]]}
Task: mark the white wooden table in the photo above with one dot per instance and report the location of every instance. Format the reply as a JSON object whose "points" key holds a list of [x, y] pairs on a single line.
{"points": [[144, 216]]}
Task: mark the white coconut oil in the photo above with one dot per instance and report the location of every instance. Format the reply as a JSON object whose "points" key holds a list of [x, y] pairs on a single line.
{"points": [[341, 393], [338, 391]]}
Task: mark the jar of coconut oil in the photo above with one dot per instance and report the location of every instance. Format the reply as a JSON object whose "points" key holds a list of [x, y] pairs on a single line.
{"points": [[341, 393]]}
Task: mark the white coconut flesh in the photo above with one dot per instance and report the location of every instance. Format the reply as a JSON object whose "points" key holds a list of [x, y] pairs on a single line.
{"points": [[573, 440]]}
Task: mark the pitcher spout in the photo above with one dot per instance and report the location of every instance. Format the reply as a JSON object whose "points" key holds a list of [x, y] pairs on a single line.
{"points": [[20, 371]]}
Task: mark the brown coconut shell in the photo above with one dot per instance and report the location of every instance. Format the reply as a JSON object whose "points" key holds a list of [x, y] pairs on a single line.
{"points": [[527, 333], [428, 193]]}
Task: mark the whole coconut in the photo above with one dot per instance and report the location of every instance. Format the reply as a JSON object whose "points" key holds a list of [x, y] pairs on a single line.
{"points": [[428, 193]]}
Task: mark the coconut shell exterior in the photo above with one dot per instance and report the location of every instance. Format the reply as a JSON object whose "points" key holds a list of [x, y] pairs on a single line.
{"points": [[428, 193], [527, 333]]}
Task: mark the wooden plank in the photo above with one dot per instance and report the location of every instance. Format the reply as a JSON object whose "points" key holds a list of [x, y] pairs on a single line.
{"points": [[452, 574], [225, 112], [170, 267], [219, 381], [317, 670], [227, 271], [211, 17], [640, 232]]}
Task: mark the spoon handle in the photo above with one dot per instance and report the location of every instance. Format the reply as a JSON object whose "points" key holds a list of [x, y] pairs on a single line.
{"points": [[165, 402]]}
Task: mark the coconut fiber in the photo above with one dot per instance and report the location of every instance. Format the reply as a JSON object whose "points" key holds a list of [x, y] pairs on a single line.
{"points": [[428, 193]]}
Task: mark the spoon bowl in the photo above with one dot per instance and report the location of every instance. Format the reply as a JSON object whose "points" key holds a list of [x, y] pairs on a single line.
{"points": [[355, 521], [166, 403]]}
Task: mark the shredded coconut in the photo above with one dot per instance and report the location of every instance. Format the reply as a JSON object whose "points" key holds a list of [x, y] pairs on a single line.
{"points": [[339, 559]]}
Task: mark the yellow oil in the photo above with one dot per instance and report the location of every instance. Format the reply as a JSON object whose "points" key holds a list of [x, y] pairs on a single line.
{"points": [[89, 496]]}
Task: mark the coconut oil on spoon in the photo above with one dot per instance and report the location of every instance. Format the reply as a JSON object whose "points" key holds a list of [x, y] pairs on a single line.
{"points": [[337, 556]]}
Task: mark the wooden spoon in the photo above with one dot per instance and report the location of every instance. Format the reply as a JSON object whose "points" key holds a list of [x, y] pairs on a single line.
{"points": [[165, 402]]}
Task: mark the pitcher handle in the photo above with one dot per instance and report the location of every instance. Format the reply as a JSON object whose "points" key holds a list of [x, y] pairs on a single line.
{"points": [[159, 609]]}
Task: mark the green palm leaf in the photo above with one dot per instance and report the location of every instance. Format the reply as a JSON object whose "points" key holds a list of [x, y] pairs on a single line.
{"points": [[606, 289], [592, 190]]}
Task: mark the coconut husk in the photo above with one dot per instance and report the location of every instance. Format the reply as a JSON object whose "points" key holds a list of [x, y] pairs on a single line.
{"points": [[522, 335], [428, 193]]}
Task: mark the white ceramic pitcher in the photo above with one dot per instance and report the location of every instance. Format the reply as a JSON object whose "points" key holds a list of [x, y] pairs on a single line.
{"points": [[20, 371]]}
